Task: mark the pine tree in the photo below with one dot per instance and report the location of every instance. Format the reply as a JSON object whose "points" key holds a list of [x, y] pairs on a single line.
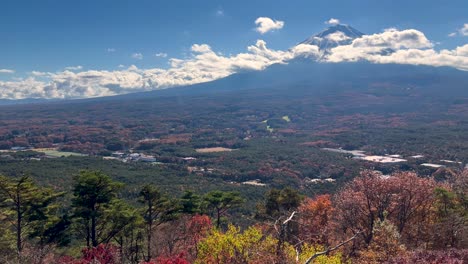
{"points": [[220, 202], [93, 203], [158, 209], [26, 208]]}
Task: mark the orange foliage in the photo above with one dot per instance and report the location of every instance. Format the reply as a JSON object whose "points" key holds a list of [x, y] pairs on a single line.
{"points": [[315, 215]]}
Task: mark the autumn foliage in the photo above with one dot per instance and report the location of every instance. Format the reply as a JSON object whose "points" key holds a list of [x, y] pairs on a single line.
{"points": [[102, 254], [400, 218], [315, 217], [404, 199]]}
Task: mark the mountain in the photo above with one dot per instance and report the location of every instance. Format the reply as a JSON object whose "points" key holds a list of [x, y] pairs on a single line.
{"points": [[313, 74], [333, 36]]}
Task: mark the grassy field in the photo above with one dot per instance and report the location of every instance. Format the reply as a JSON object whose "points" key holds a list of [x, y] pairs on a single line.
{"points": [[58, 154]]}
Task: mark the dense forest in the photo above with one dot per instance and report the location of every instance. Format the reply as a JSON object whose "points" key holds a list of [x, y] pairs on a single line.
{"points": [[274, 135], [375, 218]]}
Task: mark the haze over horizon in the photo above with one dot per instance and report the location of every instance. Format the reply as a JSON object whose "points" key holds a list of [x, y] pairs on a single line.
{"points": [[75, 51]]}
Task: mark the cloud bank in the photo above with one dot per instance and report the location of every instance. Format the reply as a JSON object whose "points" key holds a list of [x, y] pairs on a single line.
{"points": [[202, 66], [408, 46], [403, 47], [266, 24]]}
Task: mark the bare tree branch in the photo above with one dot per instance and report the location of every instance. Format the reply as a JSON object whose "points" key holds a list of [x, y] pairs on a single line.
{"points": [[290, 218], [328, 250]]}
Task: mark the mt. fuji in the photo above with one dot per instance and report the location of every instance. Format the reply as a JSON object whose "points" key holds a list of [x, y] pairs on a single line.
{"points": [[333, 36]]}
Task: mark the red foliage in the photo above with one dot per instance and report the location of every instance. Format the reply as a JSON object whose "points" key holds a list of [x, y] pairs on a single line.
{"points": [[102, 254], [66, 260], [179, 259], [403, 198], [198, 226], [433, 257], [183, 236]]}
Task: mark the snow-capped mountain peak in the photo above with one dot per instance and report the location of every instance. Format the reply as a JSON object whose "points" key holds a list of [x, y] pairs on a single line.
{"points": [[333, 36]]}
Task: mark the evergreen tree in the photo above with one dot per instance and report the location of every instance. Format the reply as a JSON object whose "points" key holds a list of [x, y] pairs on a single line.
{"points": [[220, 202], [157, 209], [26, 208], [94, 204], [190, 203]]}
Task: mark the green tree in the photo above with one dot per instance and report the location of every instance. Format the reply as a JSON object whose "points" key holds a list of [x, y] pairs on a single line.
{"points": [[93, 202], [451, 219], [190, 203], [220, 202], [123, 224], [131, 240], [280, 202], [27, 208], [157, 210]]}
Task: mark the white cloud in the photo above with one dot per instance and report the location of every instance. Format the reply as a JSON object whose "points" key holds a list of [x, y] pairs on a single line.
{"points": [[454, 58], [390, 29], [111, 50], [137, 56], [40, 74], [305, 50], [203, 48], [464, 30], [389, 40], [7, 71], [333, 21], [161, 55], [266, 24], [74, 68], [337, 37], [403, 47]]}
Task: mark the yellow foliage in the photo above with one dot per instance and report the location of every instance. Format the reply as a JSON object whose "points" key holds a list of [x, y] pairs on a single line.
{"points": [[253, 246], [308, 250], [233, 246]]}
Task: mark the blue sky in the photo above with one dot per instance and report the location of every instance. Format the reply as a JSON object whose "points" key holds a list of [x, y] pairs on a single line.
{"points": [[50, 35]]}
